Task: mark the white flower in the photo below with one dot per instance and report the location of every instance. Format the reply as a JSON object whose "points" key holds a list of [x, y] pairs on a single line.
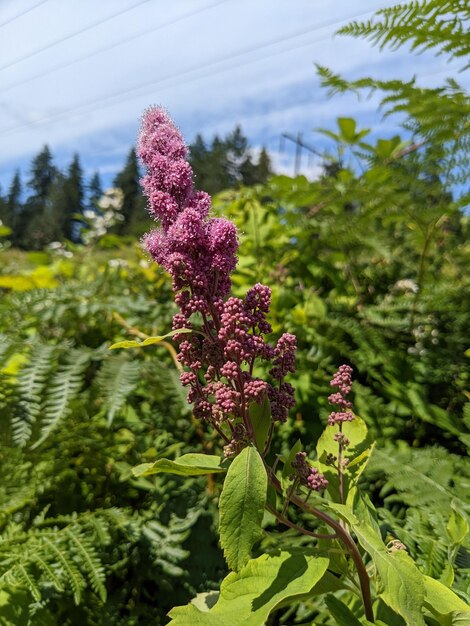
{"points": [[406, 284]]}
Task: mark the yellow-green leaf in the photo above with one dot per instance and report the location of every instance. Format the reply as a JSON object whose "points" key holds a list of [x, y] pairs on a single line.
{"points": [[130, 343], [248, 597], [192, 464]]}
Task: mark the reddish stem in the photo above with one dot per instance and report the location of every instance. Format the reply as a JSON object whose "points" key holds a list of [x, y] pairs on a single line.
{"points": [[344, 536]]}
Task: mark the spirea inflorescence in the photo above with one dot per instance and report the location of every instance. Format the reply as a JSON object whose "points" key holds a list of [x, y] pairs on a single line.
{"points": [[199, 252]]}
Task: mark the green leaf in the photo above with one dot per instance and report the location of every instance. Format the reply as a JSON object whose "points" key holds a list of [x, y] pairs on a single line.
{"points": [[260, 415], [358, 453], [248, 597], [444, 604], [457, 526], [355, 431], [402, 582], [348, 129], [341, 613], [149, 341], [191, 464], [241, 507], [287, 469]]}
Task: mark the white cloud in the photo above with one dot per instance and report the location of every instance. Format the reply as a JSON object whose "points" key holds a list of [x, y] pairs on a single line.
{"points": [[93, 105]]}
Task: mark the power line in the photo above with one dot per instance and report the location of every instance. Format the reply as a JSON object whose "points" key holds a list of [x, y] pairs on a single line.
{"points": [[66, 114], [300, 145], [75, 34], [116, 44], [16, 17]]}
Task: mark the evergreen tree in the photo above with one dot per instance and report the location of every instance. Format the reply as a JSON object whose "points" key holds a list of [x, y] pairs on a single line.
{"points": [[43, 173], [13, 208], [70, 201], [227, 163], [248, 171], [218, 167], [3, 203], [256, 173], [133, 208], [198, 157], [236, 145], [35, 210], [95, 190], [10, 204], [263, 167]]}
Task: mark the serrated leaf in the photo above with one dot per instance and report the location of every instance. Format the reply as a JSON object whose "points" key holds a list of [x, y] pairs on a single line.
{"points": [[250, 595], [402, 582], [444, 604], [241, 507], [192, 464], [149, 341]]}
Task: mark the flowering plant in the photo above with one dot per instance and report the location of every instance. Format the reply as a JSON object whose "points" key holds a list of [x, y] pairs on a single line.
{"points": [[223, 347], [107, 215]]}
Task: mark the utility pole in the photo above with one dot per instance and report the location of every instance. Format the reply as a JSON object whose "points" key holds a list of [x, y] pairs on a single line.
{"points": [[299, 146]]}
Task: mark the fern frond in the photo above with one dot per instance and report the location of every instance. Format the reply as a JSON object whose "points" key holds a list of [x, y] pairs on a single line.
{"points": [[32, 380], [24, 579], [429, 24], [117, 379], [69, 569], [63, 388], [427, 477], [48, 570], [92, 565]]}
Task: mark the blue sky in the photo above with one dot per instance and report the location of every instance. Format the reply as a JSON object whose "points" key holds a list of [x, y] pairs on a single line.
{"points": [[78, 75]]}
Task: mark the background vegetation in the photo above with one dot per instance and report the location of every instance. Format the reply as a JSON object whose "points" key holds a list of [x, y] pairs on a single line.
{"points": [[368, 265]]}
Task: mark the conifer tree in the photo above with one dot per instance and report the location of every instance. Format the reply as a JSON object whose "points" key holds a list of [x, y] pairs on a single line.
{"points": [[12, 207], [217, 175], [30, 226], [263, 167], [71, 200], [199, 154], [43, 173], [95, 190], [227, 163], [3, 203], [128, 180], [10, 204]]}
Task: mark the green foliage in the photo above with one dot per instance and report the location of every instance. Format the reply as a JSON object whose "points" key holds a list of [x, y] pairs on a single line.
{"points": [[255, 591], [62, 390], [109, 486], [118, 378], [402, 584], [434, 24], [241, 507], [191, 464], [75, 526], [425, 505]]}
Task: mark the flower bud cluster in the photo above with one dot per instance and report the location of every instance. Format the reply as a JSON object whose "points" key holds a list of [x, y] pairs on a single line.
{"points": [[342, 380], [199, 252], [307, 475]]}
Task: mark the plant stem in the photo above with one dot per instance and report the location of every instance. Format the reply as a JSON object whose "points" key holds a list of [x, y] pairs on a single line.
{"points": [[268, 442], [283, 520], [344, 536], [340, 466]]}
